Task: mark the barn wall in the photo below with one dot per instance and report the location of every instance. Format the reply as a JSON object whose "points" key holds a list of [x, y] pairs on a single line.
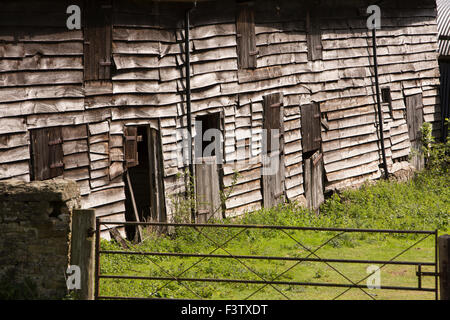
{"points": [[41, 84]]}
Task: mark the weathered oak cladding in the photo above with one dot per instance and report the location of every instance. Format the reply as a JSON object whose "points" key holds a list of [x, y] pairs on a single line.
{"points": [[41, 85]]}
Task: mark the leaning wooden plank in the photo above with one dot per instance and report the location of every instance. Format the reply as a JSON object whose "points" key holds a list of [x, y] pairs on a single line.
{"points": [[138, 237]]}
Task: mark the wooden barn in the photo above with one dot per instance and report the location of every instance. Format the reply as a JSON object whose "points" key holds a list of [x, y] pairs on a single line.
{"points": [[110, 104], [443, 7]]}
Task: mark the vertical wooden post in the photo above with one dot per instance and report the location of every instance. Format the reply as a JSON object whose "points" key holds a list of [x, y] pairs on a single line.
{"points": [[83, 250], [444, 266]]}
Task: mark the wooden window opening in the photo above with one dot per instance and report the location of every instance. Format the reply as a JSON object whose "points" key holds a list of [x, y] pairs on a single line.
{"points": [[246, 36], [314, 36], [131, 147], [97, 40], [386, 97], [203, 123], [46, 153]]}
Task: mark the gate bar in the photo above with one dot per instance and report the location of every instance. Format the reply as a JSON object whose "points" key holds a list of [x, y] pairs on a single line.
{"points": [[201, 255], [336, 285], [132, 223]]}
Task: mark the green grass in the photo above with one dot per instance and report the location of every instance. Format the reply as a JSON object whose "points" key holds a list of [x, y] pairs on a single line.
{"points": [[421, 204]]}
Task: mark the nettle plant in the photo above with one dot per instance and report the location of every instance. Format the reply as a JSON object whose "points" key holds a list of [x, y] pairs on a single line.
{"points": [[437, 154]]}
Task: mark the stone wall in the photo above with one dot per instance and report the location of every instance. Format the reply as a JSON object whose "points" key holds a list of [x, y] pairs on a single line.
{"points": [[35, 229]]}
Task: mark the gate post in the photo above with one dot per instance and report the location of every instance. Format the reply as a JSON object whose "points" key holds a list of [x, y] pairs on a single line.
{"points": [[83, 250], [444, 266]]}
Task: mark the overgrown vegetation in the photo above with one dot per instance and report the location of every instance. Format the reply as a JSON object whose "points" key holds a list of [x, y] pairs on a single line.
{"points": [[420, 204], [437, 154]]}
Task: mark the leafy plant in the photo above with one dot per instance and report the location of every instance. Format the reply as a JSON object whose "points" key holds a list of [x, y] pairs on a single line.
{"points": [[437, 154]]}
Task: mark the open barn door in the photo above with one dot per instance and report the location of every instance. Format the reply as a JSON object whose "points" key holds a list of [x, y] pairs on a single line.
{"points": [[414, 119], [144, 179], [273, 174], [312, 156], [208, 167]]}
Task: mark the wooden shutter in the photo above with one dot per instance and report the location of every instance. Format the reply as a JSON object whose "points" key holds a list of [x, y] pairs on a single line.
{"points": [[97, 40], [314, 36], [273, 104], [246, 38], [311, 127], [131, 149], [414, 115], [47, 153]]}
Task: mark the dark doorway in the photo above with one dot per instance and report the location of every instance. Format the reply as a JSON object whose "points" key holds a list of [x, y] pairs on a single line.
{"points": [[313, 168], [273, 173], [144, 185], [208, 168], [203, 124]]}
